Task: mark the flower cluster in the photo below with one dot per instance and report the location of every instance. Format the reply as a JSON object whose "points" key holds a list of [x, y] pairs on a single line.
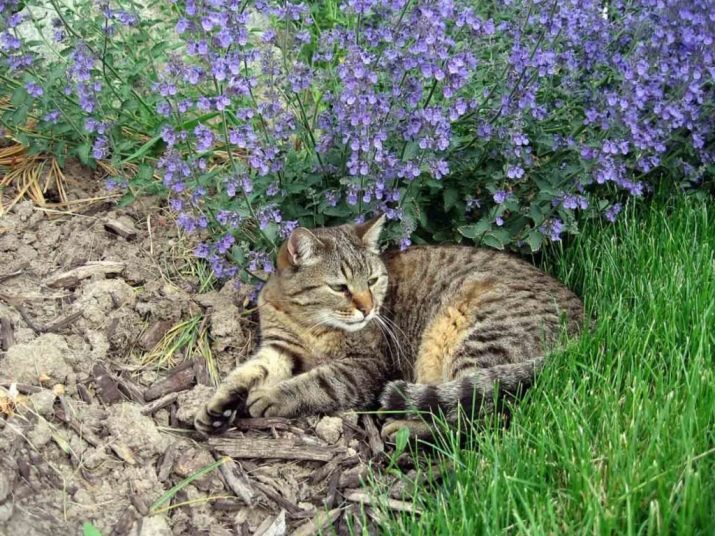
{"points": [[506, 123]]}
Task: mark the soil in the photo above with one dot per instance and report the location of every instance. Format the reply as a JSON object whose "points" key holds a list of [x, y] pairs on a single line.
{"points": [[90, 434]]}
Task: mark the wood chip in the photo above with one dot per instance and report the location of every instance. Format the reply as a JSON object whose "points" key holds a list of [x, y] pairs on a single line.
{"points": [[129, 388], [175, 382], [106, 384], [373, 435], [316, 525], [273, 526], [123, 452], [293, 510], [167, 463], [237, 480], [152, 407], [72, 277], [123, 226], [154, 334], [284, 448], [7, 334], [363, 498]]}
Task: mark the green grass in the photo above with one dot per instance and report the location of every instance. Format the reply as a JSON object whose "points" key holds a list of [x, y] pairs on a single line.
{"points": [[618, 435]]}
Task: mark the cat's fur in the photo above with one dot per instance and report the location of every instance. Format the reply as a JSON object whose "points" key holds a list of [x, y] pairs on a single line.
{"points": [[427, 330]]}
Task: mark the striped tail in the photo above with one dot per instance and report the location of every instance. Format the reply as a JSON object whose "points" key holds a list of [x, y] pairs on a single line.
{"points": [[475, 393]]}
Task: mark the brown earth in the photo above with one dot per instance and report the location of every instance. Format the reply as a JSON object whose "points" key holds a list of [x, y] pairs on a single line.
{"points": [[90, 434]]}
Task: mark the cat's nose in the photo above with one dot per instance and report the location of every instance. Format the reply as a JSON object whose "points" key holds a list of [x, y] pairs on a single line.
{"points": [[363, 302]]}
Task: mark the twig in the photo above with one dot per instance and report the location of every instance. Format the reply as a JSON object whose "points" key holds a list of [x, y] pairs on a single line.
{"points": [[288, 449], [38, 328], [159, 403], [363, 498], [17, 272]]}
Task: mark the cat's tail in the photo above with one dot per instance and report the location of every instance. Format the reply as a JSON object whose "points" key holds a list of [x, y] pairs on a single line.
{"points": [[474, 393]]}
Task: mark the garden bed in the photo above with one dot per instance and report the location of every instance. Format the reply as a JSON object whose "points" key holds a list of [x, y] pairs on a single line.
{"points": [[91, 434]]}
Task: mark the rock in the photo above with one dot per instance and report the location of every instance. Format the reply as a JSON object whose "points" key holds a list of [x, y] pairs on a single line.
{"points": [[47, 355], [329, 429], [4, 486], [43, 402], [152, 526], [6, 511], [40, 435], [138, 432], [193, 460], [72, 277], [190, 402], [98, 298]]}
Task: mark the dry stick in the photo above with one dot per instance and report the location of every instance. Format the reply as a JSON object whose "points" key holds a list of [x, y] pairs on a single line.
{"points": [[179, 380], [38, 328], [363, 498], [289, 449], [293, 510], [17, 272], [152, 407], [318, 523], [22, 388]]}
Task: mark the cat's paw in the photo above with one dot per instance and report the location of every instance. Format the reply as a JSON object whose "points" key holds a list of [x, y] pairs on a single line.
{"points": [[218, 413], [208, 421], [269, 401], [416, 429]]}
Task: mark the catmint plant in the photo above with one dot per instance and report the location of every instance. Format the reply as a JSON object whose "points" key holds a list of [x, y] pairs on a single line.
{"points": [[503, 123]]}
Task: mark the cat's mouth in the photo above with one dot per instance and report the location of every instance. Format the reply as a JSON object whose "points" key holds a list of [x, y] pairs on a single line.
{"points": [[353, 324]]}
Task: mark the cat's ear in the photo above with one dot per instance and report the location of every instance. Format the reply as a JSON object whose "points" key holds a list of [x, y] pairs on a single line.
{"points": [[369, 232], [301, 249]]}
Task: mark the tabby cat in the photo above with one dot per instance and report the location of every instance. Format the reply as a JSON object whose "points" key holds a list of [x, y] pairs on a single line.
{"points": [[425, 331]]}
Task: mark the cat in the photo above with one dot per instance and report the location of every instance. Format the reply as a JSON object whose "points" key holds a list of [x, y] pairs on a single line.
{"points": [[431, 330]]}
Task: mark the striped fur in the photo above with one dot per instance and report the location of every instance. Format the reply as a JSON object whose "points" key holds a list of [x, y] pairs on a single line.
{"points": [[425, 331]]}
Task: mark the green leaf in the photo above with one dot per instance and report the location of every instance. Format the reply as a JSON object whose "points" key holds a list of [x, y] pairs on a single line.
{"points": [[475, 230], [83, 153], [450, 196], [536, 215], [88, 529], [534, 239]]}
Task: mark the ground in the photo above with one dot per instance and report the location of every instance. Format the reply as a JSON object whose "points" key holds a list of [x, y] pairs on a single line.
{"points": [[111, 337]]}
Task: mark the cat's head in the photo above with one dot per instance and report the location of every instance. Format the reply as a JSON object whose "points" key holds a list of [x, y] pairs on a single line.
{"points": [[333, 275]]}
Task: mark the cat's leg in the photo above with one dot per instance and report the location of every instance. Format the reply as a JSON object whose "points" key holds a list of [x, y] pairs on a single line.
{"points": [[348, 383], [268, 366]]}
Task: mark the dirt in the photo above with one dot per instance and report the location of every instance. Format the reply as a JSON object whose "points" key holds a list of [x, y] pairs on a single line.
{"points": [[88, 433]]}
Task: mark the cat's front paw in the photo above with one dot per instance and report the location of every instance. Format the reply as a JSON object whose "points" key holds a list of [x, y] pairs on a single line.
{"points": [[270, 401], [208, 421]]}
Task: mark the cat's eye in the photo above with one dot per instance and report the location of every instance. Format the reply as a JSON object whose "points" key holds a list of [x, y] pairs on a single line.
{"points": [[371, 282], [339, 288]]}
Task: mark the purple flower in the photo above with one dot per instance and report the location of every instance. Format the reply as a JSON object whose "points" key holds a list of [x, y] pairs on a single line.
{"points": [[500, 196], [34, 90], [611, 213]]}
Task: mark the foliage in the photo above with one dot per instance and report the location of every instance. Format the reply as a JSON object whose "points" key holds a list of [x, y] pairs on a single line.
{"points": [[502, 122]]}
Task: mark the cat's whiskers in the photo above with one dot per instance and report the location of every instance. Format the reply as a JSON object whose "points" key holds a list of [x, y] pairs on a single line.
{"points": [[385, 328]]}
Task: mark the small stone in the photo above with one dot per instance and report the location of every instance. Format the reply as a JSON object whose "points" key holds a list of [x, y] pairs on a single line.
{"points": [[43, 402], [153, 526], [329, 429], [4, 486], [191, 402], [193, 460], [48, 354]]}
